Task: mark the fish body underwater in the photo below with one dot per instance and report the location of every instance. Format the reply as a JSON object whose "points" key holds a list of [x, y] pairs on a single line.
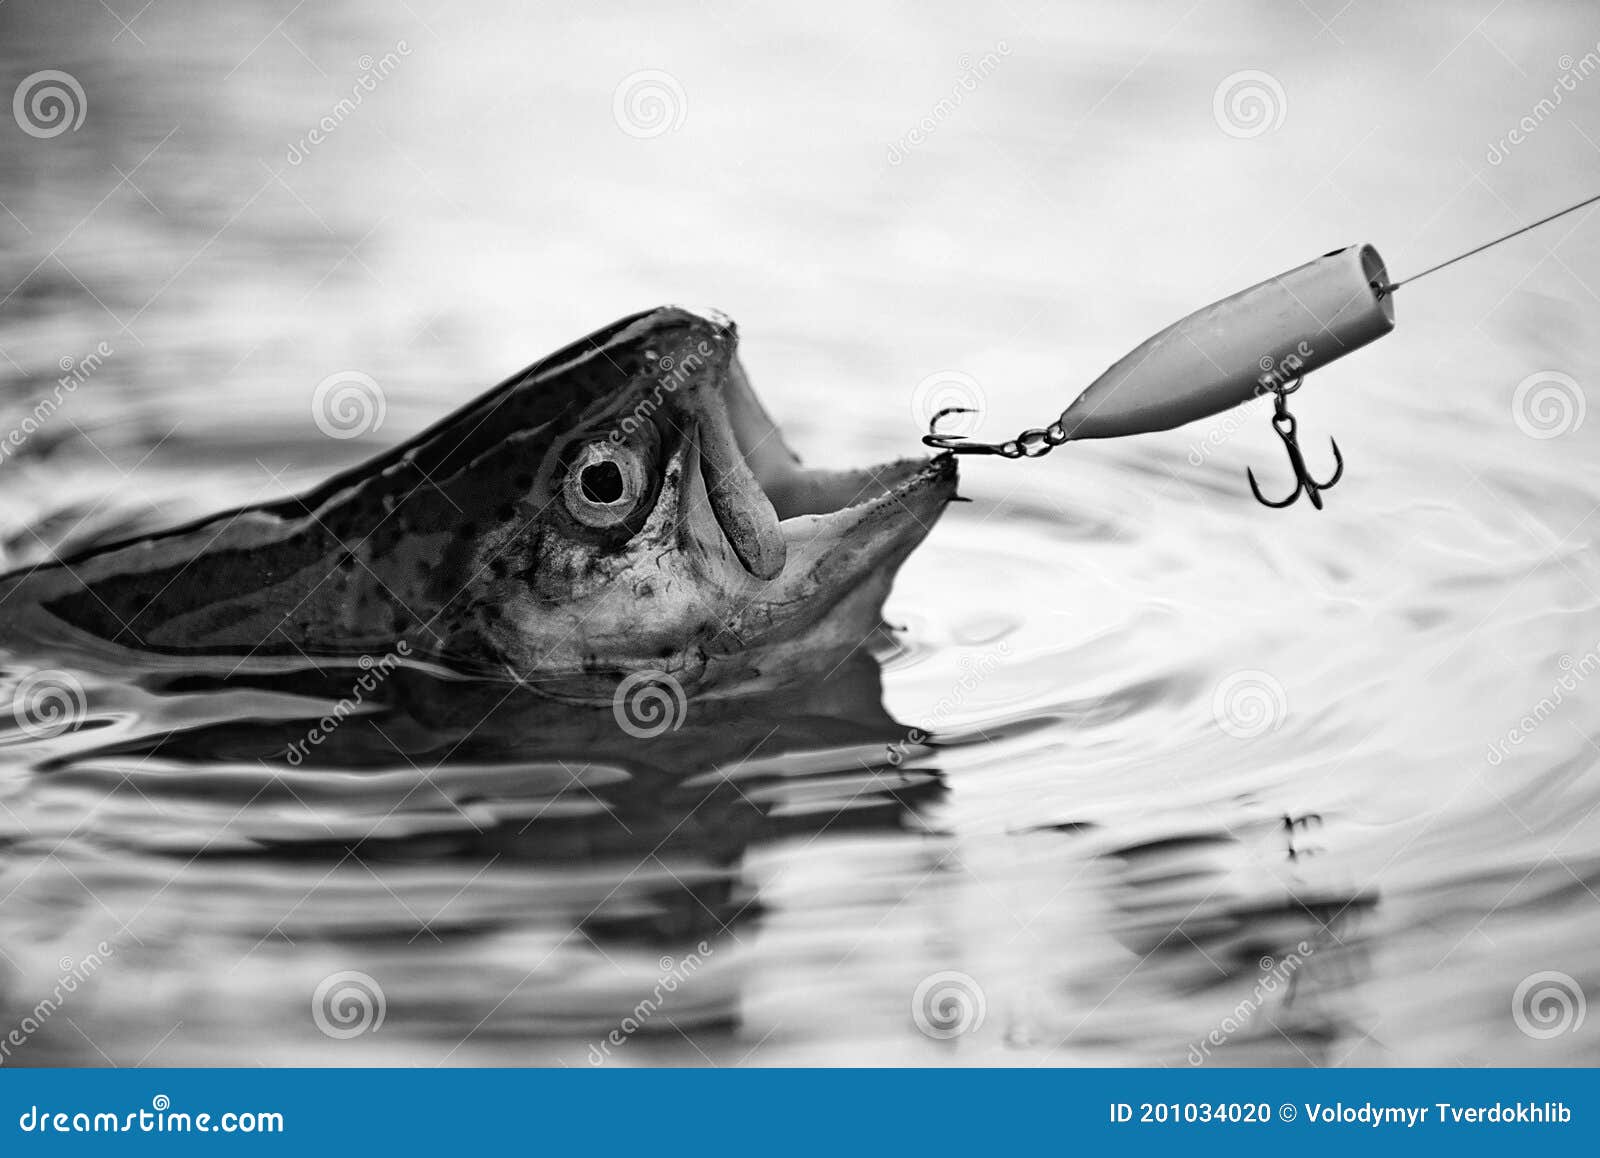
{"points": [[623, 505]]}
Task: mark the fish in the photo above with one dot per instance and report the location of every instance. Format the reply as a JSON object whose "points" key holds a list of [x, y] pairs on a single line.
{"points": [[624, 505]]}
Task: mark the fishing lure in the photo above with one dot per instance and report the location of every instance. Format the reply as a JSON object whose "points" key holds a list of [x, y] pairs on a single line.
{"points": [[1263, 339]]}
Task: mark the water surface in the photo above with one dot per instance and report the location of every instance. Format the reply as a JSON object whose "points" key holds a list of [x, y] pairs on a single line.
{"points": [[1321, 785]]}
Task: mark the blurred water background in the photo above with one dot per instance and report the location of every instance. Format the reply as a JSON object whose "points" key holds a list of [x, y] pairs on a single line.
{"points": [[1212, 783]]}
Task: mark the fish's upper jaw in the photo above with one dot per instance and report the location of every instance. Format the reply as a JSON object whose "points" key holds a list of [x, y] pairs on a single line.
{"points": [[912, 490], [711, 316], [676, 332]]}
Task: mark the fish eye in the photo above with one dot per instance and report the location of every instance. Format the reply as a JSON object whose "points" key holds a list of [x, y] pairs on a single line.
{"points": [[604, 483]]}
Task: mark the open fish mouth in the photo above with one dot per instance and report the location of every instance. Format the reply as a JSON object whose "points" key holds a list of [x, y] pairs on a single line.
{"points": [[806, 537]]}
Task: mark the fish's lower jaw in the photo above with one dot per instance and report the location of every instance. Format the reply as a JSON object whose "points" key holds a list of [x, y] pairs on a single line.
{"points": [[806, 652], [836, 549], [827, 603]]}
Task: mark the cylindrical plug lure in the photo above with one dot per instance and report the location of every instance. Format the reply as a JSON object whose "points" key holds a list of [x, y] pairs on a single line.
{"points": [[1240, 348], [1263, 339]]}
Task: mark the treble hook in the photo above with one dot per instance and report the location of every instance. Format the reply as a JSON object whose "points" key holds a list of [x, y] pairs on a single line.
{"points": [[1028, 444], [956, 443], [1284, 423]]}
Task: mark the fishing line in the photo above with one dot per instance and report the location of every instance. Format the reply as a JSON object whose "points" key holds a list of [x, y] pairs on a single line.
{"points": [[1392, 286]]}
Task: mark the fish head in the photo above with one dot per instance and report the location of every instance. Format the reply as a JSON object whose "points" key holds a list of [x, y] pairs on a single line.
{"points": [[623, 505], [667, 527]]}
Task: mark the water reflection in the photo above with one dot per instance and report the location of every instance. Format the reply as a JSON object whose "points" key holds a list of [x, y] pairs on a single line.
{"points": [[1083, 841], [494, 812], [1225, 919]]}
